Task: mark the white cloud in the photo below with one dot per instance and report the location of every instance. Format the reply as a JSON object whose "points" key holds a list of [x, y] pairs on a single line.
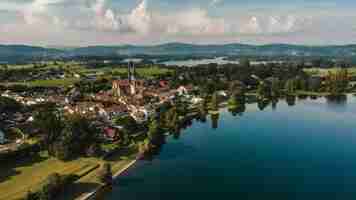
{"points": [[140, 18], [99, 17], [274, 24], [251, 26], [214, 3], [195, 22], [37, 12], [104, 19]]}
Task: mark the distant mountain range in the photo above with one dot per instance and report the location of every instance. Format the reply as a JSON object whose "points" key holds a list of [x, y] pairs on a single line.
{"points": [[8, 52]]}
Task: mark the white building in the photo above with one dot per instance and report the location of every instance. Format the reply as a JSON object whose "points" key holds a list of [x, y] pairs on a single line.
{"points": [[196, 100], [182, 91]]}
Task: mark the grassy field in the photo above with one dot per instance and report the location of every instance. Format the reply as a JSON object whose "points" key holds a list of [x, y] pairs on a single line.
{"points": [[146, 72], [44, 65], [47, 83], [54, 83], [323, 72], [142, 72], [18, 177]]}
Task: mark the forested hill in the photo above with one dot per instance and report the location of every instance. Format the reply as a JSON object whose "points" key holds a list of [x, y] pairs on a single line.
{"points": [[24, 52]]}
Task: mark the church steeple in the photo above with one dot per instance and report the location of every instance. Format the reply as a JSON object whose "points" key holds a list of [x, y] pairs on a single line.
{"points": [[131, 71]]}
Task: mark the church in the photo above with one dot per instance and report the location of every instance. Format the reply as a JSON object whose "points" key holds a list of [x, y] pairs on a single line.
{"points": [[127, 87]]}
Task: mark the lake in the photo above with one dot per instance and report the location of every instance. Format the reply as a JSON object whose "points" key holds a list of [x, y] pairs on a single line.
{"points": [[192, 63], [305, 151], [217, 60]]}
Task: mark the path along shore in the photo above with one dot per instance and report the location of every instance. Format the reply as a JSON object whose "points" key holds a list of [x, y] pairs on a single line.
{"points": [[91, 195]]}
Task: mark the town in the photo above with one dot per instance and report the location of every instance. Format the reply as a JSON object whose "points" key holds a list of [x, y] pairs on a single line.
{"points": [[177, 99], [83, 118]]}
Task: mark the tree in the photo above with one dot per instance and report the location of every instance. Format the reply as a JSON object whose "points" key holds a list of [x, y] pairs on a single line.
{"points": [[337, 82], [317, 62], [153, 130], [245, 62], [290, 86], [144, 146], [5, 67], [262, 90], [232, 100], [171, 119], [61, 150], [93, 150], [50, 122], [32, 196], [274, 88], [214, 104], [9, 105], [237, 89], [52, 187], [45, 193], [127, 122], [105, 174]]}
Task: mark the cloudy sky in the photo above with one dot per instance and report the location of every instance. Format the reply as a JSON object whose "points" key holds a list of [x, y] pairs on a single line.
{"points": [[116, 22]]}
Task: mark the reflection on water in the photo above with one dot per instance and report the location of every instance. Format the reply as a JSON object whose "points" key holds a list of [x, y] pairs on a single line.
{"points": [[337, 103], [214, 121], [292, 148], [291, 99]]}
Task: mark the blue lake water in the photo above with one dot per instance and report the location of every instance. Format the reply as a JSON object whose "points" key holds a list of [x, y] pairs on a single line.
{"points": [[306, 151]]}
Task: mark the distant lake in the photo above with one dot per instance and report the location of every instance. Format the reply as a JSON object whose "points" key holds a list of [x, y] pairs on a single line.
{"points": [[218, 60], [134, 60], [191, 63], [300, 151]]}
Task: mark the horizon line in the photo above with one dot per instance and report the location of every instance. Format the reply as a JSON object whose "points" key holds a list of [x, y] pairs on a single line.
{"points": [[180, 43]]}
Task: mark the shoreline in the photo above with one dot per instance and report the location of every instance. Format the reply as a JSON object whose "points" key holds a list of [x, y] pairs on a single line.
{"points": [[94, 192], [129, 165]]}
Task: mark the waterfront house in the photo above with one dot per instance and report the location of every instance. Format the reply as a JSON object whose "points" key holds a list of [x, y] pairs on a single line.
{"points": [[111, 133], [352, 84], [182, 91]]}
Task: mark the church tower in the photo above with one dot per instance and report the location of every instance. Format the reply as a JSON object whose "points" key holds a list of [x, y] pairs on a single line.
{"points": [[131, 77]]}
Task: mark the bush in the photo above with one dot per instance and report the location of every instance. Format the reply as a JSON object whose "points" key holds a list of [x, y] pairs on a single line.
{"points": [[32, 196], [54, 185], [93, 150], [9, 105]]}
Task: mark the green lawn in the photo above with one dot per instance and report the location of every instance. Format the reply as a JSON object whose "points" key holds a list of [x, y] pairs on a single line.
{"points": [[18, 177], [48, 83], [145, 72]]}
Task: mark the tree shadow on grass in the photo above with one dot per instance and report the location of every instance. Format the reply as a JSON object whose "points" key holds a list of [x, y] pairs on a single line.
{"points": [[76, 189], [8, 166]]}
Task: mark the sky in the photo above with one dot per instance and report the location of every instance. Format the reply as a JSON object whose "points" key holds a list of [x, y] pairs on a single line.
{"points": [[148, 22]]}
